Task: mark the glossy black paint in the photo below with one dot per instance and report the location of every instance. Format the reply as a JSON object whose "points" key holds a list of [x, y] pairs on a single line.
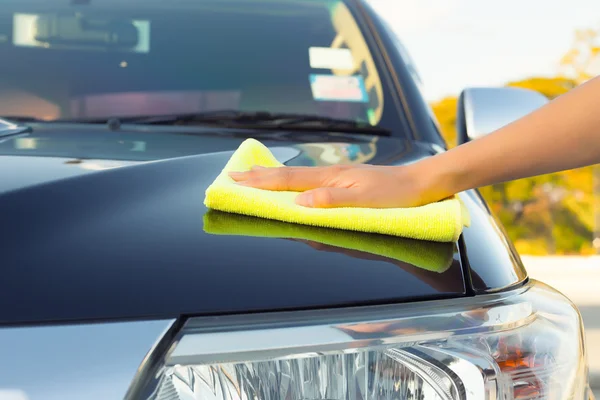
{"points": [[490, 257], [128, 242]]}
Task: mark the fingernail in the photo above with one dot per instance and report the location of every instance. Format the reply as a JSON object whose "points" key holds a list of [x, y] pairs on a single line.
{"points": [[235, 174], [305, 199]]}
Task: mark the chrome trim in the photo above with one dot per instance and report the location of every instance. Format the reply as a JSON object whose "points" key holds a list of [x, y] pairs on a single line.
{"points": [[426, 371], [74, 362], [237, 338], [9, 129], [437, 148], [477, 371]]}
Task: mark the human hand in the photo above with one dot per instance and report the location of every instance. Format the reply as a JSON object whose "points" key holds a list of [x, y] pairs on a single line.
{"points": [[347, 185]]}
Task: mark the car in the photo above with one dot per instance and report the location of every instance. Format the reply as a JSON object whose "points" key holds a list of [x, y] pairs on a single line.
{"points": [[118, 282]]}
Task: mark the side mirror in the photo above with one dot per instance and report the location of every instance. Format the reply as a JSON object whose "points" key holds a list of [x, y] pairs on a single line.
{"points": [[484, 110]]}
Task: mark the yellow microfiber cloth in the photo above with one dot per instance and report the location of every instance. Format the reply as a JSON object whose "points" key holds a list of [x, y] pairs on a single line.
{"points": [[441, 222], [431, 256]]}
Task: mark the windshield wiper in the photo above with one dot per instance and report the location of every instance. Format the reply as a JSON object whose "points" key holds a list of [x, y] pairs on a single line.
{"points": [[253, 120], [231, 119]]}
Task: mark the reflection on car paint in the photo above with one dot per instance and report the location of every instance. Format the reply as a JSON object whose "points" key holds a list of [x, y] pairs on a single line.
{"points": [[99, 165], [431, 256], [339, 153]]}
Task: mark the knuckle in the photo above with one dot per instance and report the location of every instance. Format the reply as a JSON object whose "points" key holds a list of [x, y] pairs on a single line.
{"points": [[283, 175], [278, 178], [286, 172]]}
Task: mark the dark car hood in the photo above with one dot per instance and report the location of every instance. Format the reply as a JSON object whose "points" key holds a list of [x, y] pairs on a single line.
{"points": [[130, 241]]}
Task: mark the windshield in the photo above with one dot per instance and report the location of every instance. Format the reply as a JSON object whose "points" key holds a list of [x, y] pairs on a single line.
{"points": [[109, 58]]}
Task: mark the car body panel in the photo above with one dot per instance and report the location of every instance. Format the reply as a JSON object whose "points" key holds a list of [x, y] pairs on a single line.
{"points": [[73, 362], [491, 259], [135, 230], [129, 242]]}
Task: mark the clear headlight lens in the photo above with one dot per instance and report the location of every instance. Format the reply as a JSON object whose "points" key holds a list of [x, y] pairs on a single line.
{"points": [[526, 344]]}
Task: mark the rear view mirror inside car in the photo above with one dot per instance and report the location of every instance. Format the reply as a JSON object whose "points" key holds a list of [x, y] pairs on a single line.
{"points": [[70, 31]]}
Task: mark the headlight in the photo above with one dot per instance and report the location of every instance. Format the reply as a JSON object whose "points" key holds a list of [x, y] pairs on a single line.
{"points": [[524, 344]]}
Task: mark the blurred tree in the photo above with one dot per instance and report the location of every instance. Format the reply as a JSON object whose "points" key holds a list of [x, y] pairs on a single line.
{"points": [[582, 61], [445, 111], [549, 87]]}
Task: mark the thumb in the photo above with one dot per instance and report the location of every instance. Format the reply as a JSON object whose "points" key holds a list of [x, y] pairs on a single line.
{"points": [[327, 197]]}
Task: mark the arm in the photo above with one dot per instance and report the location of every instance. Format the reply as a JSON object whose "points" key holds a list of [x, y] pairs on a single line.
{"points": [[563, 134]]}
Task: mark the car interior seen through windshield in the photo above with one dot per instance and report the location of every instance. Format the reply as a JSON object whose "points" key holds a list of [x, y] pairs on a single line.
{"points": [[104, 58]]}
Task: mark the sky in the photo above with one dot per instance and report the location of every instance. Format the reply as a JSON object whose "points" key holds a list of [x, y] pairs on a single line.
{"points": [[460, 43]]}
